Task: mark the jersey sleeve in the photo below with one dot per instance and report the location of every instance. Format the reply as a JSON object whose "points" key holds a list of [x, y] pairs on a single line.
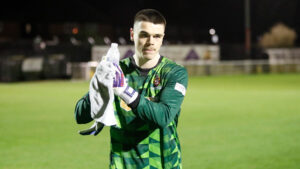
{"points": [[83, 110], [169, 103]]}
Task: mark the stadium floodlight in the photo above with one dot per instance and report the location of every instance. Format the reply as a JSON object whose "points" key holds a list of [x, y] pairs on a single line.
{"points": [[122, 40], [212, 31], [106, 40], [215, 38], [91, 40]]}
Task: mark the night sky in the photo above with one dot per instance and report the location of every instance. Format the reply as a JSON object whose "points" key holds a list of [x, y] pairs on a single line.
{"points": [[188, 18]]}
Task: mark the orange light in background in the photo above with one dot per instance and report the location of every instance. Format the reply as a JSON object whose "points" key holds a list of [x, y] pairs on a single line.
{"points": [[75, 30]]}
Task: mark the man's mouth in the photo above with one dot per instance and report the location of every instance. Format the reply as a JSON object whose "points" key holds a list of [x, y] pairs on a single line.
{"points": [[148, 50]]}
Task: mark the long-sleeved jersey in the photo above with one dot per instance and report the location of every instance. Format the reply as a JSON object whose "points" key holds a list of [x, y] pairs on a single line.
{"points": [[146, 133]]}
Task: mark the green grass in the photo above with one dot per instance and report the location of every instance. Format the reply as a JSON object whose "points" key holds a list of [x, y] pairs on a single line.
{"points": [[227, 122]]}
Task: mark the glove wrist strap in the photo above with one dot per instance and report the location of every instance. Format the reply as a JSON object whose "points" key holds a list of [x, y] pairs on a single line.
{"points": [[129, 95]]}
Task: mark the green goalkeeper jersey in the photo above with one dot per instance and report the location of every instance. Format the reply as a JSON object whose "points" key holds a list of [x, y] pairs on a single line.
{"points": [[146, 133]]}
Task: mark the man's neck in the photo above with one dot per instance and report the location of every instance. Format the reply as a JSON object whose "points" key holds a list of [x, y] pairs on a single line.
{"points": [[145, 63]]}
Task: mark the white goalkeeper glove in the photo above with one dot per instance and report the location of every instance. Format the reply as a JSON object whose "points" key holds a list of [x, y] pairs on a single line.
{"points": [[101, 93]]}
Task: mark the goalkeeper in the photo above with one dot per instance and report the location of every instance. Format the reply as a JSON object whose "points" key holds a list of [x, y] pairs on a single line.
{"points": [[148, 92]]}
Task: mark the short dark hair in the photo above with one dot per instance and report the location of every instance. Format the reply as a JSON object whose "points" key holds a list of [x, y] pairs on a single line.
{"points": [[150, 15]]}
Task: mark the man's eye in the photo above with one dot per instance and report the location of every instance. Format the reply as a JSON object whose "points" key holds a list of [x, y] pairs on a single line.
{"points": [[157, 36], [143, 35]]}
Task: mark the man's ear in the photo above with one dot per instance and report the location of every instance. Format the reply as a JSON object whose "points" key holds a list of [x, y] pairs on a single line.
{"points": [[131, 34]]}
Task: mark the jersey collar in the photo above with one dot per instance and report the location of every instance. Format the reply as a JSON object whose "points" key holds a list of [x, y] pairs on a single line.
{"points": [[144, 71]]}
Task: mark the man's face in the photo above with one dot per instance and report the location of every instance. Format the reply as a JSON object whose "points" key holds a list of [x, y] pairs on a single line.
{"points": [[148, 38]]}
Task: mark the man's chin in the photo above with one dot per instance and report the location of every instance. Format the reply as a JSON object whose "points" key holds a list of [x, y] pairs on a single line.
{"points": [[149, 56]]}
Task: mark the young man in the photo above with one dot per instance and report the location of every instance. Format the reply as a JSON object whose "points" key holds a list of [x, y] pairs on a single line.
{"points": [[146, 134]]}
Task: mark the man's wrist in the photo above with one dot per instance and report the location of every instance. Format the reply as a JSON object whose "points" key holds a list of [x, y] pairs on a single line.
{"points": [[135, 103]]}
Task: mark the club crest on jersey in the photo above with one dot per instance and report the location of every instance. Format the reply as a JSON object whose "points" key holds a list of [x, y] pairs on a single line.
{"points": [[156, 81]]}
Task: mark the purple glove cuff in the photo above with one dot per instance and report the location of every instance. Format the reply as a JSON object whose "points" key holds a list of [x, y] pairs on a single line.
{"points": [[119, 78]]}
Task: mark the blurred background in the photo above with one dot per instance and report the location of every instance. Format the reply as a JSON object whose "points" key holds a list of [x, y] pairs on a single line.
{"points": [[241, 110], [51, 39]]}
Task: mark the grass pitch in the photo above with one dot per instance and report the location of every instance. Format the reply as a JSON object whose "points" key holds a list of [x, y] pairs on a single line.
{"points": [[227, 122]]}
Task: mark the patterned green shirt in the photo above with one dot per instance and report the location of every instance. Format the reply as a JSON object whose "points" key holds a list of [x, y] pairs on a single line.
{"points": [[146, 134]]}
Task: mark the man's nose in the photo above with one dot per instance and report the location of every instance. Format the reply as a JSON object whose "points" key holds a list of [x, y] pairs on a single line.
{"points": [[151, 40]]}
